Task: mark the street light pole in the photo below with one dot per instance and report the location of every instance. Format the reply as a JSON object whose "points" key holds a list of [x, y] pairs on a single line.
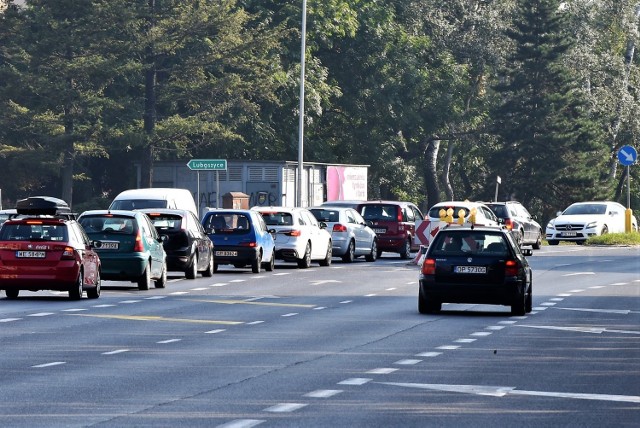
{"points": [[301, 112]]}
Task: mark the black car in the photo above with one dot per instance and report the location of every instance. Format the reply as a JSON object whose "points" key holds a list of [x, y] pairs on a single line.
{"points": [[515, 217], [188, 247], [484, 265]]}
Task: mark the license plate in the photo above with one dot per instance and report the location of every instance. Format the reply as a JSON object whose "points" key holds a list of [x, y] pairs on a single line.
{"points": [[380, 230], [569, 233], [226, 253], [470, 269], [31, 254], [109, 245]]}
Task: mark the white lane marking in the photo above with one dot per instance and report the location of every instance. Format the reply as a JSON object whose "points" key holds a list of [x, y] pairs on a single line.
{"points": [[407, 362], [579, 273], [355, 381], [346, 301], [481, 333], [448, 347], [507, 322], [564, 295], [370, 295], [130, 301], [428, 354], [556, 299], [494, 327], [548, 304], [576, 291], [40, 314], [218, 284], [604, 311], [281, 273], [154, 297], [55, 363], [523, 317], [199, 289], [336, 267], [179, 293], [593, 330], [325, 281], [391, 289], [465, 340], [285, 407], [117, 351], [10, 319], [615, 283], [323, 393], [169, 341], [540, 308], [255, 322], [501, 391], [383, 370], [75, 310], [238, 280], [103, 306], [319, 308], [242, 423], [258, 276], [219, 330], [290, 314]]}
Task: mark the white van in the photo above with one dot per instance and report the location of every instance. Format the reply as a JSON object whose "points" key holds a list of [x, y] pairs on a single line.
{"points": [[155, 197]]}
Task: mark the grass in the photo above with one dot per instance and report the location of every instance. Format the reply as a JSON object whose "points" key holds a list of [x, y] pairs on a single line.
{"points": [[632, 238]]}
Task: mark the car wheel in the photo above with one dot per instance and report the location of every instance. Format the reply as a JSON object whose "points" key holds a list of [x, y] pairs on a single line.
{"points": [[406, 251], [351, 253], [378, 252], [256, 264], [373, 255], [271, 264], [519, 235], [518, 308], [94, 293], [75, 292], [215, 267], [208, 272], [327, 257], [192, 270], [538, 243], [426, 305], [145, 279], [553, 242], [305, 261], [162, 281], [12, 293]]}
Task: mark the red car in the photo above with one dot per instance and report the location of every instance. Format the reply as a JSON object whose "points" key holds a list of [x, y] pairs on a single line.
{"points": [[47, 249]]}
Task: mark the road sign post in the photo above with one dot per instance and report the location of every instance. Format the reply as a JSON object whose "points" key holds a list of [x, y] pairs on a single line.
{"points": [[216, 165], [627, 156]]}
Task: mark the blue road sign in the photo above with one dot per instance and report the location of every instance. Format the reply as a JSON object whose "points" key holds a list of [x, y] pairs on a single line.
{"points": [[627, 155]]}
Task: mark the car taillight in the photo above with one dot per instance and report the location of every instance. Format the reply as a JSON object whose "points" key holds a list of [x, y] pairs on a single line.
{"points": [[429, 267], [138, 247], [339, 227], [292, 233], [68, 254], [248, 244], [511, 268], [509, 223], [399, 211]]}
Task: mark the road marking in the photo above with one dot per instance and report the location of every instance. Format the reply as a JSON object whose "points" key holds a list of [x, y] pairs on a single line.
{"points": [[501, 391], [285, 407], [154, 318], [391, 289], [494, 327], [448, 347], [593, 330], [246, 302], [103, 306], [407, 362], [130, 301], [615, 283], [323, 393], [548, 304], [465, 340], [238, 280], [576, 291], [169, 341], [55, 363], [540, 308], [370, 295], [281, 273], [355, 381], [179, 293], [564, 295], [319, 308], [242, 423], [40, 314], [507, 322], [384, 370], [10, 319], [220, 330], [255, 322], [579, 273], [556, 299], [117, 351], [74, 310], [325, 281], [604, 311], [428, 354], [290, 314], [218, 284], [199, 289], [481, 333], [154, 297], [346, 301]]}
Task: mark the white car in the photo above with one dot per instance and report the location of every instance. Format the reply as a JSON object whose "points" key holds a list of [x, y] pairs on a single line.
{"points": [[299, 236], [350, 233], [585, 219]]}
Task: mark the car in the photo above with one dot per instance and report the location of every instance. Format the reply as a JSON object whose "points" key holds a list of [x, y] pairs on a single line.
{"points": [[351, 235], [155, 197], [299, 237], [394, 222], [185, 242], [515, 217], [241, 238], [344, 203], [582, 220], [129, 246], [475, 264], [47, 249]]}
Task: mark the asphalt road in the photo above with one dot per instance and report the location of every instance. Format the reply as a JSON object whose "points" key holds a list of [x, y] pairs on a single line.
{"points": [[329, 347]]}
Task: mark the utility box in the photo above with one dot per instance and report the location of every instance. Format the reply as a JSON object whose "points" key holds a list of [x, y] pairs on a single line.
{"points": [[235, 200]]}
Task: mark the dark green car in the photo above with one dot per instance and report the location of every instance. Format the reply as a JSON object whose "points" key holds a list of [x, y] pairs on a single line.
{"points": [[129, 246]]}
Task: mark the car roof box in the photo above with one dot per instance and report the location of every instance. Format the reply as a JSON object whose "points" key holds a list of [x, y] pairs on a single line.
{"points": [[43, 205]]}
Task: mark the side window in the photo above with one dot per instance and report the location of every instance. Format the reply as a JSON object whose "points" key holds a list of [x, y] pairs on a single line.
{"points": [[407, 213], [417, 214], [260, 223], [147, 228], [310, 218], [351, 217], [302, 221], [488, 214], [358, 217]]}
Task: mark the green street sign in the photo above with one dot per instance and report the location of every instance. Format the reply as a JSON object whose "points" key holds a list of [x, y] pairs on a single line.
{"points": [[207, 164]]}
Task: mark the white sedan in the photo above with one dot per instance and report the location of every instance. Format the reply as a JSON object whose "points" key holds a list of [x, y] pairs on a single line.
{"points": [[299, 236], [585, 219]]}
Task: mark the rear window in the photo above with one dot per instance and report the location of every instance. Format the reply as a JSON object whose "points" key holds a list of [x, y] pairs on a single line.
{"points": [[166, 222], [232, 223], [34, 232], [277, 218], [108, 224], [469, 242], [137, 204], [326, 215], [379, 212]]}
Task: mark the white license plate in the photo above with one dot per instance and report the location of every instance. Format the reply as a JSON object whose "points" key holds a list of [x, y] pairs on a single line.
{"points": [[569, 233], [109, 245], [31, 254], [226, 253], [470, 269], [380, 230]]}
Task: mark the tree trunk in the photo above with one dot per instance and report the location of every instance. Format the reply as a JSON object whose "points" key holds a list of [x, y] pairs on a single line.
{"points": [[448, 189], [431, 176]]}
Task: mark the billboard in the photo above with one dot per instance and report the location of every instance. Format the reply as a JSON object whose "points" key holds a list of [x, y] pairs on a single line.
{"points": [[346, 183]]}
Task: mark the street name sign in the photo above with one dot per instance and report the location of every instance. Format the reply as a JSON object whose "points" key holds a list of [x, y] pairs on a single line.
{"points": [[207, 164]]}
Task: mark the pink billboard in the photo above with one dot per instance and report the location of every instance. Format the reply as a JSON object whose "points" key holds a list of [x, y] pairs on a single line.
{"points": [[346, 183]]}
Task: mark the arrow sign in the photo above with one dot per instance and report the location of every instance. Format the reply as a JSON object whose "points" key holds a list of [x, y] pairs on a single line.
{"points": [[627, 155]]}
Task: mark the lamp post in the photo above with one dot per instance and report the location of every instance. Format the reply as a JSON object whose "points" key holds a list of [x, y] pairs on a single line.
{"points": [[301, 111]]}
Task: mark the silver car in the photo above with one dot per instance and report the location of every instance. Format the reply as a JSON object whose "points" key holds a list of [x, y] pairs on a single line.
{"points": [[351, 235]]}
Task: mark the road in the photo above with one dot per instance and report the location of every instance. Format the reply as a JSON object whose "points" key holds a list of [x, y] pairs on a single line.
{"points": [[330, 346]]}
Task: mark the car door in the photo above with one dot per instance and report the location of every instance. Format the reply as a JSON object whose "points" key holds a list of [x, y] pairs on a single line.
{"points": [[617, 218], [362, 233], [263, 236], [203, 243], [153, 243], [316, 234], [90, 259]]}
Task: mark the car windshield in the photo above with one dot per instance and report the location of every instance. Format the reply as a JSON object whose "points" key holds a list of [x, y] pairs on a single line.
{"points": [[598, 209], [229, 223], [34, 232], [327, 215], [108, 224], [277, 218], [379, 212], [469, 242], [434, 212], [137, 204]]}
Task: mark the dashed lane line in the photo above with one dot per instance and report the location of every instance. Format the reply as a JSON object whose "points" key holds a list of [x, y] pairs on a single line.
{"points": [[246, 302], [156, 318]]}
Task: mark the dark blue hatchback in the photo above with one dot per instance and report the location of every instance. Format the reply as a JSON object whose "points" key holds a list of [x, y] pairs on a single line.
{"points": [[240, 238]]}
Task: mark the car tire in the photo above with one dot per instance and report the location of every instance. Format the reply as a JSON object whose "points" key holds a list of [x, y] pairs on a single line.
{"points": [[12, 293], [426, 305], [378, 253], [350, 255], [94, 293], [75, 292], [553, 242], [519, 235], [518, 308], [215, 267], [305, 261], [406, 250], [162, 281], [373, 255], [536, 245], [145, 279], [256, 263], [271, 264], [328, 256], [208, 272], [192, 270]]}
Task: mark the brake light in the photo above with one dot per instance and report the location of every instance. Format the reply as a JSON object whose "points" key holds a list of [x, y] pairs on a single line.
{"points": [[429, 267], [339, 227], [248, 244], [511, 268], [508, 223], [138, 247], [399, 211], [33, 222], [293, 233], [68, 254]]}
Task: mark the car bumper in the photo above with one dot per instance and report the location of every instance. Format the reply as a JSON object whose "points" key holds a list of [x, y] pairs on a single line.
{"points": [[574, 235], [179, 260], [391, 244], [340, 245], [506, 293], [234, 254], [122, 266], [39, 277]]}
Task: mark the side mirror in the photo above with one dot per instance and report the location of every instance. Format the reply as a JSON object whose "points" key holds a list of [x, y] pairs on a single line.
{"points": [[209, 231], [322, 225]]}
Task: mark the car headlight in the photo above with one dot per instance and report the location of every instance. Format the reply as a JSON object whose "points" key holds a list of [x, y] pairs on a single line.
{"points": [[550, 225], [591, 225]]}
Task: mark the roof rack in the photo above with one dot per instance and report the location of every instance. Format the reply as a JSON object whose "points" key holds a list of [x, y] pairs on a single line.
{"points": [[44, 206]]}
